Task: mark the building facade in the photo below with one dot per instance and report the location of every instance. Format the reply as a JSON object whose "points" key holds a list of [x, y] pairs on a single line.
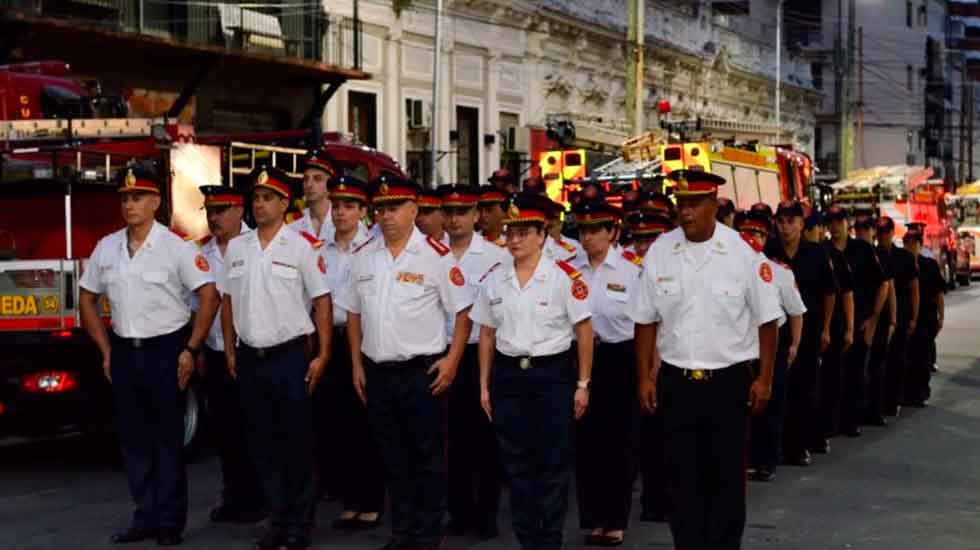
{"points": [[511, 66]]}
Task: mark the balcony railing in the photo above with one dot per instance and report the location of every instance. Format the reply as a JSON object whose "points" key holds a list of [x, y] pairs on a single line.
{"points": [[293, 30]]}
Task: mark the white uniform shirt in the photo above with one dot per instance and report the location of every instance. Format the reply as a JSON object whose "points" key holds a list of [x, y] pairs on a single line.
{"points": [[789, 294], [212, 252], [536, 320], [563, 251], [148, 292], [610, 287], [338, 267], [270, 289], [709, 310], [475, 263], [306, 224], [403, 302]]}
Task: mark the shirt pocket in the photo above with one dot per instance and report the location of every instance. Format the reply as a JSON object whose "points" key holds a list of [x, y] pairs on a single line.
{"points": [[618, 296], [729, 298], [155, 277], [284, 279]]}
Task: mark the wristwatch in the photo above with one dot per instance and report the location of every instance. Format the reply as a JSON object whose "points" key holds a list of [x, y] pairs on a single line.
{"points": [[584, 384]]}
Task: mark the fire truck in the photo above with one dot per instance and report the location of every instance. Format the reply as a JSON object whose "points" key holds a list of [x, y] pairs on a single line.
{"points": [[58, 161]]}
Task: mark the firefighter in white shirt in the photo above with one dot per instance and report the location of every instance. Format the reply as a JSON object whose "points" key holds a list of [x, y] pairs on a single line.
{"points": [[645, 227], [241, 495], [145, 272], [402, 287], [271, 274], [344, 434], [315, 218], [474, 466], [431, 219], [706, 300], [491, 204], [767, 427], [557, 247], [530, 309], [608, 430]]}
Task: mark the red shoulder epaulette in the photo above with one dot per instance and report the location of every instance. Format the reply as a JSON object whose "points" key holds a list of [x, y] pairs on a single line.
{"points": [[180, 234], [314, 242], [367, 242], [566, 245], [440, 248], [489, 271], [631, 256], [205, 240], [294, 216], [749, 241], [569, 270]]}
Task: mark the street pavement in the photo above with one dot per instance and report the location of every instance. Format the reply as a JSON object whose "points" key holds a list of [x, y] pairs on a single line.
{"points": [[913, 485]]}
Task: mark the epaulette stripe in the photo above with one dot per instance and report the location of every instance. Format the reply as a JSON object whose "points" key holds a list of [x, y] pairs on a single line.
{"points": [[314, 242], [569, 270], [293, 216], [440, 248], [367, 242], [489, 271]]}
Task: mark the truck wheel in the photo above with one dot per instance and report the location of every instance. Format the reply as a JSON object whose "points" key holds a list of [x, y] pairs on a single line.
{"points": [[963, 280], [194, 419]]}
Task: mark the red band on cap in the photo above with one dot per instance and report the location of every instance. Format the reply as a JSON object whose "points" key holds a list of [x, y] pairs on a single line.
{"points": [[227, 199]]}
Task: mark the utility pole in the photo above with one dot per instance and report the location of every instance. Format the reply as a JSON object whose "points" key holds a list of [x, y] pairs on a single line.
{"points": [[634, 66], [971, 122], [779, 71], [847, 103], [436, 73], [839, 73], [860, 102], [962, 132]]}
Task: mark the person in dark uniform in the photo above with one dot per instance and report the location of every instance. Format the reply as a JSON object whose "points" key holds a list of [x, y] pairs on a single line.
{"points": [[475, 472], [932, 310], [815, 278], [145, 271], [906, 277], [608, 430], [697, 280], [841, 340], [403, 286], [241, 495], [348, 438], [726, 211], [272, 275], [870, 295], [529, 310], [864, 230], [644, 228]]}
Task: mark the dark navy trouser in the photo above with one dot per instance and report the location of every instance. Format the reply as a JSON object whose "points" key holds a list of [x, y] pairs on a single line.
{"points": [[149, 413]]}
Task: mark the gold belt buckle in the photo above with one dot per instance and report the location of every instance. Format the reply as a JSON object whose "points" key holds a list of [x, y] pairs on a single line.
{"points": [[698, 375], [525, 363]]}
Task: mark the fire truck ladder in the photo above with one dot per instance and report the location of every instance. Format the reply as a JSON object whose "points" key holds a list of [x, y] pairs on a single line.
{"points": [[287, 159], [45, 130]]}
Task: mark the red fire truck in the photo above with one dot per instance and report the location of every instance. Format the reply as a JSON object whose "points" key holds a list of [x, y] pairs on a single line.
{"points": [[57, 164]]}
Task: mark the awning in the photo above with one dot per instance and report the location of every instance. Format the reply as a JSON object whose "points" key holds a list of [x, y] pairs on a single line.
{"points": [[264, 30]]}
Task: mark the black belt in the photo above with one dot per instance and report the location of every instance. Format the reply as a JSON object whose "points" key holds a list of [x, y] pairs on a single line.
{"points": [[263, 353], [528, 361], [419, 361], [137, 343], [705, 375]]}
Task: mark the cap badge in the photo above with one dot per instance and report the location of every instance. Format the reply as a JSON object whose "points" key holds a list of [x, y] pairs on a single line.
{"points": [[513, 211], [682, 183], [341, 187], [383, 189], [263, 178], [130, 178]]}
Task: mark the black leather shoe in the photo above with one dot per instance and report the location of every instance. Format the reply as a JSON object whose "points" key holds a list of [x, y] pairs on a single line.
{"points": [[821, 448], [271, 540], [658, 517], [892, 411], [169, 538], [764, 475], [133, 534], [851, 431], [876, 420], [800, 460]]}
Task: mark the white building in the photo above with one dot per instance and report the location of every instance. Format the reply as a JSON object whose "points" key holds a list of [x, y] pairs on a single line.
{"points": [[515, 63]]}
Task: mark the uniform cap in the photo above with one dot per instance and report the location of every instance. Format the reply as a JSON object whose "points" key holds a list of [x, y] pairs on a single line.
{"points": [[644, 224], [459, 195], [885, 223], [762, 207], [914, 230], [502, 177], [653, 201], [752, 221], [789, 208], [430, 199], [836, 213], [321, 161], [725, 206], [692, 183], [271, 178], [525, 208], [489, 194], [220, 195], [391, 188], [596, 212], [348, 187], [814, 219], [138, 179], [534, 184]]}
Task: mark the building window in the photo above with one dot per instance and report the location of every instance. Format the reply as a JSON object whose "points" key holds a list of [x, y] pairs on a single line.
{"points": [[908, 14], [468, 145], [362, 118], [923, 16], [908, 77], [817, 70]]}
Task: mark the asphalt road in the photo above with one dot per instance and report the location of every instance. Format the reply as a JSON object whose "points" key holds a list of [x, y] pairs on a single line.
{"points": [[914, 484]]}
